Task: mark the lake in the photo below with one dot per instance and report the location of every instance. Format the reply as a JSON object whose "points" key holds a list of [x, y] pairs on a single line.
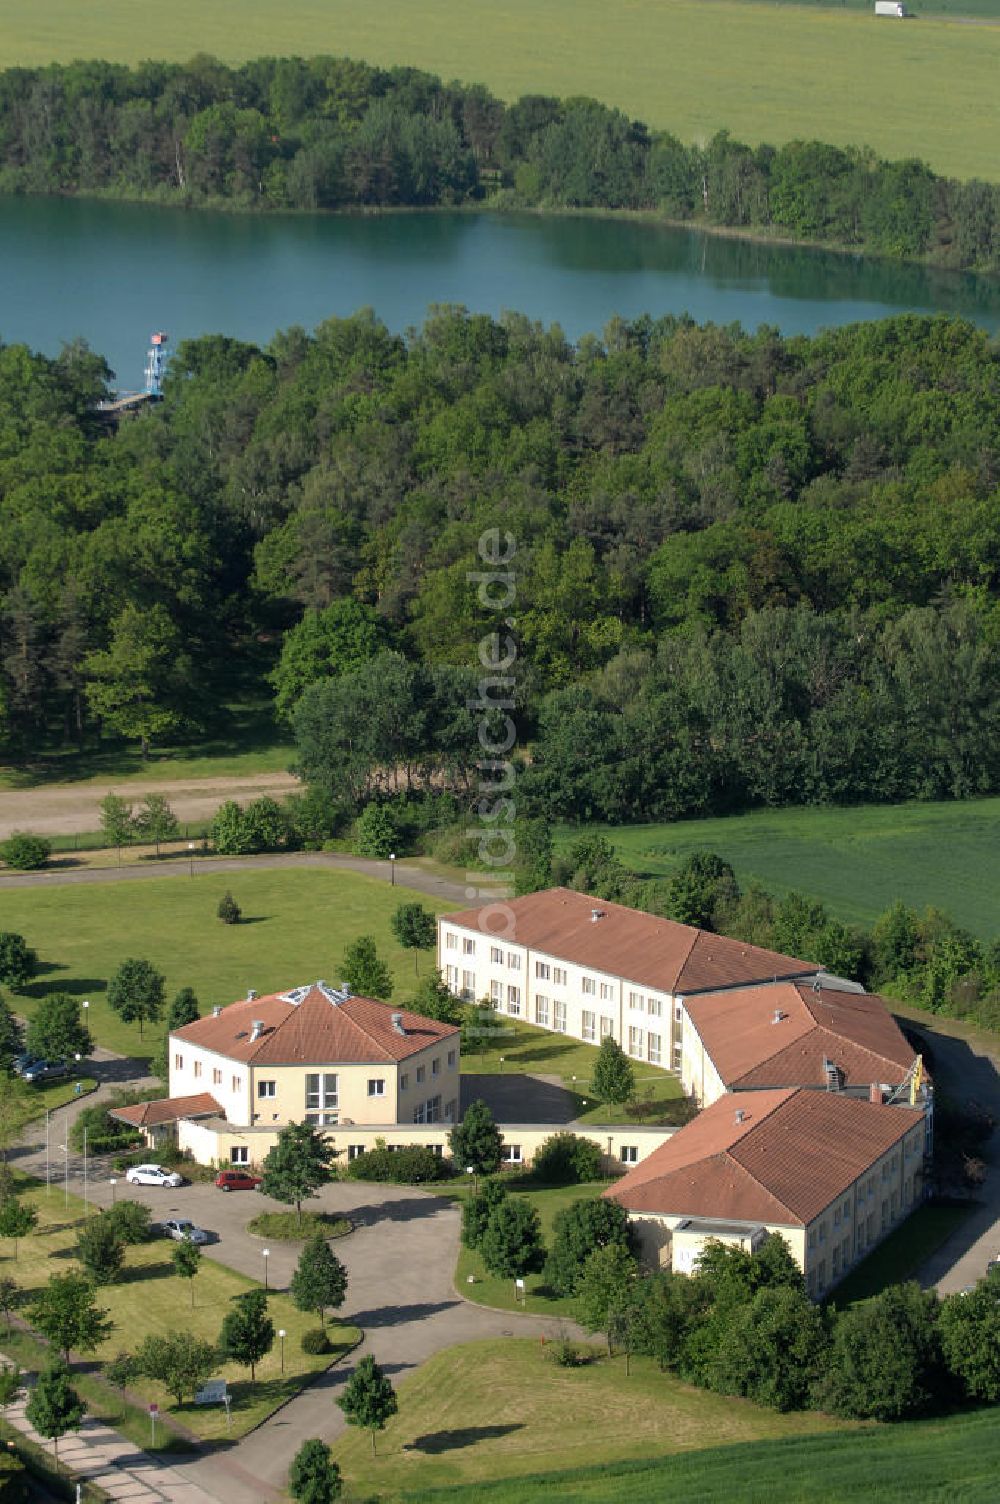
{"points": [[113, 272]]}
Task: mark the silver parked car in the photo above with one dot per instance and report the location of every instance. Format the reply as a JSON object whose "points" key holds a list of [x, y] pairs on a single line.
{"points": [[183, 1231]]}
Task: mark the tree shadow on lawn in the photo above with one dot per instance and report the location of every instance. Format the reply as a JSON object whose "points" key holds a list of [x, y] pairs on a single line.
{"points": [[75, 986], [436, 1442]]}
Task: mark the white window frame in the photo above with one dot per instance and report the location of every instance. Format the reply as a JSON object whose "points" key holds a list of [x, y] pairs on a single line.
{"points": [[541, 1010], [266, 1089], [376, 1086], [588, 1026], [239, 1154], [654, 1048], [559, 1020]]}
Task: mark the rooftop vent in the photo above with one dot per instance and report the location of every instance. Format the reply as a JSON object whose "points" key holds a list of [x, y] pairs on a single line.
{"points": [[217, 1011], [778, 1016], [817, 985], [251, 994], [397, 1023], [595, 915], [834, 1075], [256, 1029], [740, 1115]]}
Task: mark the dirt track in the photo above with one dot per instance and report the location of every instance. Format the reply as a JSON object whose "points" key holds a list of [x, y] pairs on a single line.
{"points": [[69, 810]]}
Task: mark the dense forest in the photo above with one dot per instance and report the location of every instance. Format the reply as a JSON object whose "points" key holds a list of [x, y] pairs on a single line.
{"points": [[331, 133], [748, 570]]}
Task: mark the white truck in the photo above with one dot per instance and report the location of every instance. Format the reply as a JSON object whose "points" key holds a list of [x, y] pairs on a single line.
{"points": [[894, 8]]}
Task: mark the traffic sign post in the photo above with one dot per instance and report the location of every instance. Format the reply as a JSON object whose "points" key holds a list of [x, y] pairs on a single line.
{"points": [[154, 1411]]}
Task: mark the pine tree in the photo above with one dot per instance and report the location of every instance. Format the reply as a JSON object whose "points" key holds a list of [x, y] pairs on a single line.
{"points": [[184, 1010], [247, 1331], [135, 992], [314, 1478], [320, 1279], [365, 972], [476, 1142]]}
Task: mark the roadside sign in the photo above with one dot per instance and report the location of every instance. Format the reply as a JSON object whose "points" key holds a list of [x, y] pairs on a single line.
{"points": [[154, 1409]]}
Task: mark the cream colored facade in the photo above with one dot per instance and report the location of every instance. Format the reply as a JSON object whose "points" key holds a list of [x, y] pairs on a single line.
{"points": [[826, 1248], [422, 1088], [214, 1141], [558, 995], [699, 1077]]}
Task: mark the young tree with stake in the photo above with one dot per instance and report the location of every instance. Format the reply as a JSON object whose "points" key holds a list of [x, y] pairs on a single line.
{"points": [[186, 1259], [369, 1399], [16, 1219], [136, 992], [415, 928]]}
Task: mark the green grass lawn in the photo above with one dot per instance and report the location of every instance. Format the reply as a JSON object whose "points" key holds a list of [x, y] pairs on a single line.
{"points": [[298, 923], [926, 88], [952, 1461], [124, 765], [903, 1252], [22, 1103], [500, 1409], [152, 1299], [857, 860]]}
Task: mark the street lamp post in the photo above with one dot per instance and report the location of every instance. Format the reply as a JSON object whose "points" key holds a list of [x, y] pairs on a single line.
{"points": [[65, 1150], [265, 1255], [48, 1175], [191, 858], [392, 869], [281, 1338]]}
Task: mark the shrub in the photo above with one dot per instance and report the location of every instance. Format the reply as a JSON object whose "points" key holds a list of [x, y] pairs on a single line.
{"points": [[229, 832], [565, 1159], [409, 1166], [577, 1230], [477, 1211], [512, 1242], [229, 910], [18, 962], [265, 824], [131, 1221], [375, 831], [25, 852], [315, 1341], [100, 1249]]}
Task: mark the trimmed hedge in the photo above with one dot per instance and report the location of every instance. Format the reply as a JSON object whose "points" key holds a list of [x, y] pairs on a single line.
{"points": [[412, 1165]]}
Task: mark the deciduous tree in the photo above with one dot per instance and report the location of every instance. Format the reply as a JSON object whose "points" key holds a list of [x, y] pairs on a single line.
{"points": [[314, 1478], [54, 1407], [298, 1165], [247, 1333], [320, 1279], [56, 1031], [136, 992], [181, 1361], [415, 928], [66, 1312], [476, 1142], [186, 1259], [511, 1244], [364, 971], [613, 1078], [369, 1399]]}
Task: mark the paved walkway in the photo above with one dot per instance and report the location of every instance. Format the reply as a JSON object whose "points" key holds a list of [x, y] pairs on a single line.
{"points": [[407, 875], [97, 1454]]}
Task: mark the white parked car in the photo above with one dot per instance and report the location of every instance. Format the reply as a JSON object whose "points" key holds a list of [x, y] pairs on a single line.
{"points": [[153, 1175], [183, 1231]]}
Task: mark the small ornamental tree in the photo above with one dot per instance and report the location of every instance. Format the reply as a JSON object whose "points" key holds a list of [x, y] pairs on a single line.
{"points": [[476, 1142], [11, 1037], [369, 1399], [10, 1386], [25, 852], [136, 992], [511, 1244], [54, 1407], [131, 1221], [478, 1209], [415, 928], [247, 1333], [18, 962], [435, 999], [180, 1361], [298, 1165], [66, 1313], [613, 1078], [100, 1249], [57, 1030], [320, 1279], [155, 821], [314, 1478], [10, 1294], [364, 971], [183, 1010], [186, 1259], [120, 1372], [576, 1231], [230, 835], [604, 1289], [375, 832], [116, 822], [229, 910], [16, 1219]]}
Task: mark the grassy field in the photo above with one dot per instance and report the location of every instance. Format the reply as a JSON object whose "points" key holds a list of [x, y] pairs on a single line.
{"points": [[125, 766], [297, 924], [857, 860], [151, 1298], [499, 1409], [903, 1252], [951, 1461], [763, 72]]}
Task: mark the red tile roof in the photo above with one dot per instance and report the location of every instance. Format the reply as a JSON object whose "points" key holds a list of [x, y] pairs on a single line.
{"points": [[793, 1153], [780, 1035], [167, 1110], [643, 948], [323, 1028]]}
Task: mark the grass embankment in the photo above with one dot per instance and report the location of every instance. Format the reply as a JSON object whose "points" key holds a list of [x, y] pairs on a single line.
{"points": [[953, 1461], [903, 1253], [152, 1300], [21, 1105], [764, 73], [296, 926], [286, 1227], [857, 860], [503, 1408]]}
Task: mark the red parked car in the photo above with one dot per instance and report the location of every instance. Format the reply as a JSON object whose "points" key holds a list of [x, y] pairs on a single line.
{"points": [[237, 1180]]}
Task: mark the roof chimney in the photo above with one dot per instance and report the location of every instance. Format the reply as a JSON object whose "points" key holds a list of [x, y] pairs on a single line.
{"points": [[217, 1010], [256, 1029], [875, 1093], [595, 915], [397, 1023], [251, 994]]}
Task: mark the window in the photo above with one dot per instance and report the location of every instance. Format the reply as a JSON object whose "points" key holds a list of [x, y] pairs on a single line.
{"points": [[468, 946], [836, 1217], [543, 970], [589, 1024], [513, 961], [607, 992], [321, 1099], [496, 955], [267, 1088], [636, 1000], [822, 1232], [541, 1010], [428, 1112], [421, 1073], [653, 1048], [216, 1078], [450, 941], [607, 1027], [812, 1237], [237, 1083], [376, 1086], [514, 1001], [835, 1262], [629, 1154], [559, 1017], [821, 1275], [452, 1057], [404, 1081], [885, 1215], [452, 976], [678, 1056], [512, 1154], [239, 1154], [354, 1151], [588, 987], [845, 1250], [449, 1111], [654, 1007], [468, 985], [178, 1062], [436, 1065], [678, 1013], [496, 992], [197, 1069], [847, 1210], [635, 1041], [559, 976]]}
